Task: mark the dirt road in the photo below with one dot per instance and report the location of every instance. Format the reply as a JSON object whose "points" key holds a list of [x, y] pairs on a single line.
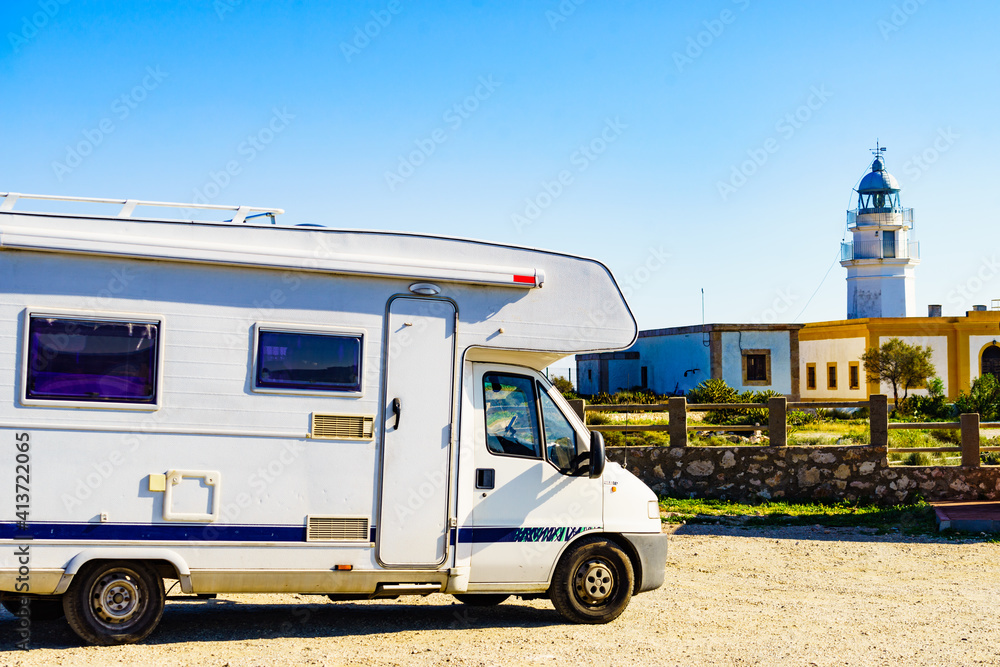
{"points": [[733, 597]]}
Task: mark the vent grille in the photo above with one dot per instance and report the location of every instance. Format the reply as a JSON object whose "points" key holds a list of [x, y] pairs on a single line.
{"points": [[336, 529], [343, 427]]}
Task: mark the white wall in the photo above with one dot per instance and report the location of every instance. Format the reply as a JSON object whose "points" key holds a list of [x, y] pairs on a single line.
{"points": [[839, 350], [881, 290]]}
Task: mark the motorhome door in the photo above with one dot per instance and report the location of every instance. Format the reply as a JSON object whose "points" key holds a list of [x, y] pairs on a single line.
{"points": [[416, 434]]}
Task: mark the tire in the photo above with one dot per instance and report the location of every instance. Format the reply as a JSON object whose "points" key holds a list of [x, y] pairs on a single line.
{"points": [[481, 599], [39, 609], [593, 582], [114, 602]]}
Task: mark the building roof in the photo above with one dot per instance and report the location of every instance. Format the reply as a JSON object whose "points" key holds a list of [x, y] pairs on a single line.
{"points": [[706, 328]]}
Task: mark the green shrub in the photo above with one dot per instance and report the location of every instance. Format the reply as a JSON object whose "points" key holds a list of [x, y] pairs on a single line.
{"points": [[597, 418], [712, 440], [903, 438], [983, 397], [917, 459], [564, 386], [636, 439], [990, 458], [808, 441], [717, 391], [930, 407], [636, 395], [800, 418], [862, 437], [712, 391], [950, 436]]}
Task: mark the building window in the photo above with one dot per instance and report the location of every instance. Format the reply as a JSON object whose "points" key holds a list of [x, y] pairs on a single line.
{"points": [[756, 367], [590, 374], [831, 375], [308, 361], [645, 377], [810, 376], [855, 375], [98, 361]]}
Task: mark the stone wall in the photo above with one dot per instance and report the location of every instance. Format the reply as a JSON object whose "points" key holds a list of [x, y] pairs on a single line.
{"points": [[831, 474]]}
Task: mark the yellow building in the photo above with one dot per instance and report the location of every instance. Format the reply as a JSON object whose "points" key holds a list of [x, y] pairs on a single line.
{"points": [[963, 348]]}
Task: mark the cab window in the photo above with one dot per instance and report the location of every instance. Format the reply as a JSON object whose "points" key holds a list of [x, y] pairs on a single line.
{"points": [[511, 417], [560, 438]]}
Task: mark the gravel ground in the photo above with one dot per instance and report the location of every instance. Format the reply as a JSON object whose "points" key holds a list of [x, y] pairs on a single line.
{"points": [[775, 596]]}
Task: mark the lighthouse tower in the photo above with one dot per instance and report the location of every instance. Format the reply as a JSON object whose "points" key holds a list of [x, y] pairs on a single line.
{"points": [[881, 259]]}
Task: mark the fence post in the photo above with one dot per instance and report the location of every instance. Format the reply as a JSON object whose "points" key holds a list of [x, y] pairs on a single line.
{"points": [[677, 421], [878, 420], [776, 421], [578, 404], [970, 439]]}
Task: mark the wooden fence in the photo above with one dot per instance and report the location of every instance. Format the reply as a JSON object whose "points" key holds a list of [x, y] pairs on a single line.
{"points": [[777, 422]]}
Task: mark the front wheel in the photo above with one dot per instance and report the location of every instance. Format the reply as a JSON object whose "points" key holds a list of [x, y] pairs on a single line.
{"points": [[593, 582], [116, 602]]}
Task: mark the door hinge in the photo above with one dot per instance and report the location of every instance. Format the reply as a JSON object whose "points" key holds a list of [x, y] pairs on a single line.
{"points": [[453, 522]]}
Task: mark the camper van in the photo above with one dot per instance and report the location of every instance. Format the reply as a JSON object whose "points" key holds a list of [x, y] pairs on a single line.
{"points": [[237, 406]]}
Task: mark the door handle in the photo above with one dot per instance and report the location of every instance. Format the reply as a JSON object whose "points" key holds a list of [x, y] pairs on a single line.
{"points": [[396, 410], [485, 478]]}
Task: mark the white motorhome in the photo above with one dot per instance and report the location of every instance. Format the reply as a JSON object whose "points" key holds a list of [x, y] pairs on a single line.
{"points": [[246, 407]]}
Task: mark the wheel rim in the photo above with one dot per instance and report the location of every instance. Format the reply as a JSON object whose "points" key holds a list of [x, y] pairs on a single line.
{"points": [[595, 582], [116, 597]]}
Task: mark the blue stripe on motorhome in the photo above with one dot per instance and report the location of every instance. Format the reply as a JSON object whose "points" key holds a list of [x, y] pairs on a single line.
{"points": [[522, 534], [229, 533], [158, 531]]}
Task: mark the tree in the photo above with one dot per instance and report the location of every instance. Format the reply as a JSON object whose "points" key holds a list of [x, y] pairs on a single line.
{"points": [[564, 386], [899, 364]]}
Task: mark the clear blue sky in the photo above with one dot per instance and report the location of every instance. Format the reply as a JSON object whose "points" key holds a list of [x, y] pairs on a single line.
{"points": [[644, 109]]}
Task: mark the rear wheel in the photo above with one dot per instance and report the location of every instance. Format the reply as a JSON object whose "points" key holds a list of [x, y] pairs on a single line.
{"points": [[593, 582], [117, 602], [39, 609], [481, 599]]}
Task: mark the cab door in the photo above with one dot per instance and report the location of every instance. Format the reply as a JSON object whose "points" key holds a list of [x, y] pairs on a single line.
{"points": [[532, 494]]}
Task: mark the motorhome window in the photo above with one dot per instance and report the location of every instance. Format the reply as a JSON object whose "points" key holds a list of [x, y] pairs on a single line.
{"points": [[90, 360], [560, 438], [308, 361], [511, 416]]}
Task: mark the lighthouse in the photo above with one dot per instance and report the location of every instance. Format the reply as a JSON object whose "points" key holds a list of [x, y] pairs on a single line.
{"points": [[880, 259]]}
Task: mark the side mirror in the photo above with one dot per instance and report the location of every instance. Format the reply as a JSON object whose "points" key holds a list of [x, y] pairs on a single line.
{"points": [[596, 454]]}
